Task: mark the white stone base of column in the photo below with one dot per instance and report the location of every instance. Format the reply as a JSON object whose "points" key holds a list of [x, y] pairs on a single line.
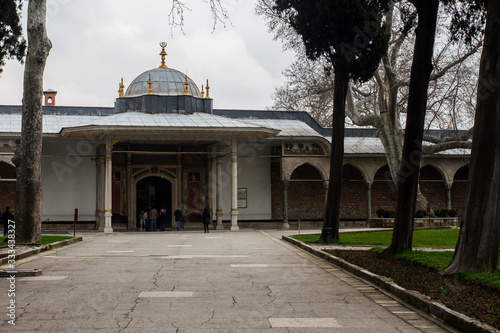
{"points": [[234, 221], [107, 221], [285, 225], [220, 226], [101, 221]]}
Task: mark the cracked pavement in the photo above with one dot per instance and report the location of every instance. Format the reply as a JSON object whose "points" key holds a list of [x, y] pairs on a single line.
{"points": [[238, 280]]}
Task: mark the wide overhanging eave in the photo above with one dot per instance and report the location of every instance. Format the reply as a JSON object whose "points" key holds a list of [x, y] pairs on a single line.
{"points": [[98, 131]]}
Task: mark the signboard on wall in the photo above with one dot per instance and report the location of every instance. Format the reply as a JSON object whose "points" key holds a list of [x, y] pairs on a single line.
{"points": [[242, 198]]}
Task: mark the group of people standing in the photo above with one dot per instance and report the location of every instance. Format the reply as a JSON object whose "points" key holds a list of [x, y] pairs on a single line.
{"points": [[152, 220]]}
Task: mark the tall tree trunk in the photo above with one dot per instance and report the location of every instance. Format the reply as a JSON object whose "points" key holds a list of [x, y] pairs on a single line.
{"points": [[478, 243], [412, 149], [332, 209], [28, 155]]}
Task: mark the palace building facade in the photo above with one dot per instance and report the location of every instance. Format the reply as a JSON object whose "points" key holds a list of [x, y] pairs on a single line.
{"points": [[164, 145]]}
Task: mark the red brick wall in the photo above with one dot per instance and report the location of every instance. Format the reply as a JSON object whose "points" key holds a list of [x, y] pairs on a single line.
{"points": [[432, 187], [384, 194], [7, 189], [353, 198], [306, 199], [459, 190]]}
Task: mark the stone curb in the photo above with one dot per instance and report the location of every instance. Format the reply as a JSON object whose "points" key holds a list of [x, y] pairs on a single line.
{"points": [[42, 248], [414, 298]]}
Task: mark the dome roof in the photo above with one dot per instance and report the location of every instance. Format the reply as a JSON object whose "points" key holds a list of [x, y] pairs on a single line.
{"points": [[164, 81]]}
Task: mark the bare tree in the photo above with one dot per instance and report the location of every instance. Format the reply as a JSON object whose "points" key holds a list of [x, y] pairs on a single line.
{"points": [[28, 155], [179, 7], [382, 101]]}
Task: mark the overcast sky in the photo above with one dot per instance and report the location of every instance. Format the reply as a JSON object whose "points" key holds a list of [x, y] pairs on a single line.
{"points": [[96, 43]]}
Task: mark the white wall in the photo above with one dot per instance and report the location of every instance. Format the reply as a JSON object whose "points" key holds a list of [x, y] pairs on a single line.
{"points": [[254, 174], [68, 180]]}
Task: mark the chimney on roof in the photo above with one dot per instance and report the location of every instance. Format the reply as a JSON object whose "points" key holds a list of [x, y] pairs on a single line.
{"points": [[50, 97]]}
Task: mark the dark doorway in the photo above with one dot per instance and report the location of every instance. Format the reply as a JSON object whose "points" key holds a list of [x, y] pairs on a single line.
{"points": [[154, 192]]}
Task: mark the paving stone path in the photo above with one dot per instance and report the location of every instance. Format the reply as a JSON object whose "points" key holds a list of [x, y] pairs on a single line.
{"points": [[246, 281]]}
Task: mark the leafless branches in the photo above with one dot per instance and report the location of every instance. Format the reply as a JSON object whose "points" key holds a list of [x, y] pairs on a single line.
{"points": [[179, 8]]}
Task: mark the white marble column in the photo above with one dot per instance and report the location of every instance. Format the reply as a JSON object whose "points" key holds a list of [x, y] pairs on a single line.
{"points": [[218, 193], [369, 199], [108, 189], [448, 186], [102, 187], [98, 207], [234, 185], [285, 224]]}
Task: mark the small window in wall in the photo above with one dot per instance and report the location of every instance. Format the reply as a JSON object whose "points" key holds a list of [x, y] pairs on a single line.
{"points": [[116, 176]]}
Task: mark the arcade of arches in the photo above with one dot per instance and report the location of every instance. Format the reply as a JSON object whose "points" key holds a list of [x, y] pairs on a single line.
{"points": [[305, 191], [362, 195]]}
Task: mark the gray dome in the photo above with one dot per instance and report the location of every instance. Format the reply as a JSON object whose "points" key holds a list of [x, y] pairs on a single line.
{"points": [[164, 81]]}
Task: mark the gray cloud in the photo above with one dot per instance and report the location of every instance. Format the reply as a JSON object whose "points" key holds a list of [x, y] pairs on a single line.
{"points": [[96, 43]]}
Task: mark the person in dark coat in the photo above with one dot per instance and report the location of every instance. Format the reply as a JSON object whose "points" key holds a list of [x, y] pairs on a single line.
{"points": [[6, 216], [162, 219], [206, 220], [178, 218]]}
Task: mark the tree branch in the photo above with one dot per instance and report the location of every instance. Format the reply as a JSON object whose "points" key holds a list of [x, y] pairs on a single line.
{"points": [[459, 138], [436, 148], [452, 64], [353, 114]]}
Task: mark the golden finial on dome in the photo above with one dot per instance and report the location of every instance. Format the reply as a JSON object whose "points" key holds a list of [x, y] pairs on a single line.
{"points": [[120, 89], [163, 54], [208, 90], [202, 92], [149, 86], [186, 85]]}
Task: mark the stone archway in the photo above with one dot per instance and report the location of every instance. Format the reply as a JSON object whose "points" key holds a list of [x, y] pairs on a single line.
{"points": [[459, 189], [163, 181], [432, 185], [306, 193], [155, 192], [383, 191], [353, 202]]}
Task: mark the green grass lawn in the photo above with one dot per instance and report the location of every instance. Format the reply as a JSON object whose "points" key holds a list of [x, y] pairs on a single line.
{"points": [[46, 239], [440, 238]]}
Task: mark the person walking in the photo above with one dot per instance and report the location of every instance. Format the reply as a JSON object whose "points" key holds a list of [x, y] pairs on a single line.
{"points": [[162, 219], [178, 218], [6, 216], [206, 220], [153, 215]]}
